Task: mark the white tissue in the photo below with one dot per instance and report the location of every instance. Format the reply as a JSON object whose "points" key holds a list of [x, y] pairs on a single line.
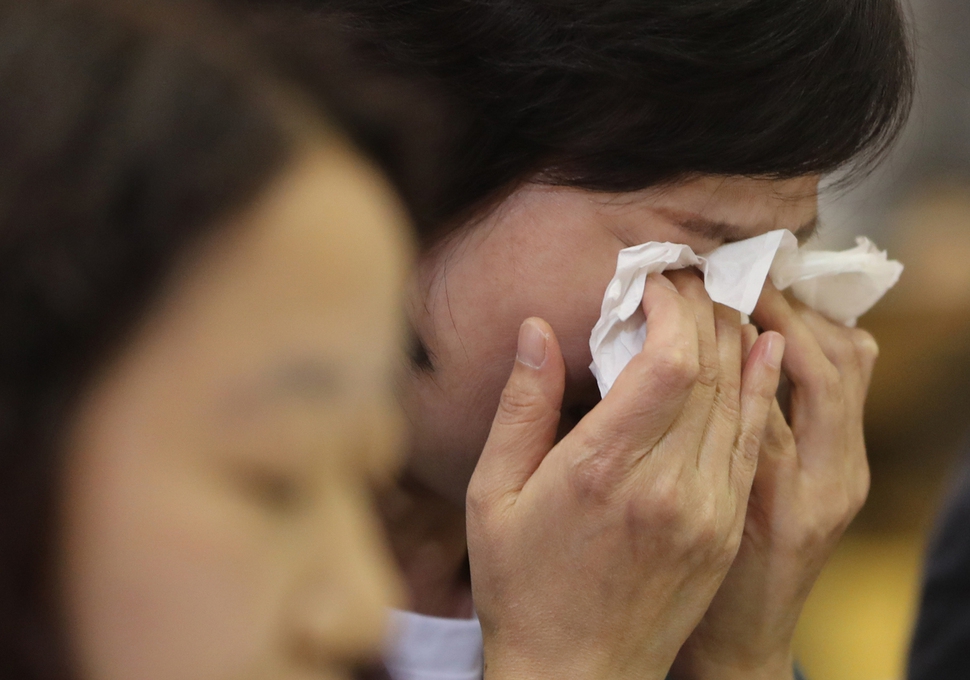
{"points": [[841, 285]]}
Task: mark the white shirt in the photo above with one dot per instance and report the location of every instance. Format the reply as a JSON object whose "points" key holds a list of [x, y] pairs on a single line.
{"points": [[432, 648]]}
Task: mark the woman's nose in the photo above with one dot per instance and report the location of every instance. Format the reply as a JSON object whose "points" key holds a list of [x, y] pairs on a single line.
{"points": [[341, 604]]}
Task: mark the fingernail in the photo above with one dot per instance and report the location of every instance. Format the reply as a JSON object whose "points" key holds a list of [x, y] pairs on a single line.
{"points": [[776, 350], [664, 281], [532, 345]]}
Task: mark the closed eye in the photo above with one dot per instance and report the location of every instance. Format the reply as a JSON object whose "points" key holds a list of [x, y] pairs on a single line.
{"points": [[419, 355], [276, 491]]}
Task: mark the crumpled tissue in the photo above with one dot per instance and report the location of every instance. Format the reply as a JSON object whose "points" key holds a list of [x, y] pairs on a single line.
{"points": [[840, 285]]}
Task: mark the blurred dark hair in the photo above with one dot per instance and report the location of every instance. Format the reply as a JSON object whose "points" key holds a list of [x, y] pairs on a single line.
{"points": [[401, 120], [619, 95], [128, 131]]}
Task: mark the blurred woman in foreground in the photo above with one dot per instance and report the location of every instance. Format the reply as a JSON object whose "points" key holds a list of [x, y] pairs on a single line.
{"points": [[199, 325]]}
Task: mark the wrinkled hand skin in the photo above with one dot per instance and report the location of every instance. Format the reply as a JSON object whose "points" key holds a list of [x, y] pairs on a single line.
{"points": [[812, 479], [595, 558]]}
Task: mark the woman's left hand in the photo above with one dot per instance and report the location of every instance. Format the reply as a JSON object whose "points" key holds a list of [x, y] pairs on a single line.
{"points": [[812, 479]]}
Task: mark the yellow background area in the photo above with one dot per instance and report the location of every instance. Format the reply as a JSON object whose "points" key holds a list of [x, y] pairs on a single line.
{"points": [[857, 622], [859, 617]]}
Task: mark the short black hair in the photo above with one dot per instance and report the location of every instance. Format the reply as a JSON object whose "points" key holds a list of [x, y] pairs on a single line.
{"points": [[619, 95]]}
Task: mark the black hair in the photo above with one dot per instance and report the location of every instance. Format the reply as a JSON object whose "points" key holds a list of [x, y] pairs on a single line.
{"points": [[619, 95], [128, 131], [402, 121]]}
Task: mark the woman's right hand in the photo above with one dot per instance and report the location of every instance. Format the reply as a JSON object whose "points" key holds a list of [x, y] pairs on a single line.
{"points": [[595, 558]]}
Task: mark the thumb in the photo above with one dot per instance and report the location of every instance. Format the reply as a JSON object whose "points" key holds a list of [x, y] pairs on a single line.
{"points": [[524, 429]]}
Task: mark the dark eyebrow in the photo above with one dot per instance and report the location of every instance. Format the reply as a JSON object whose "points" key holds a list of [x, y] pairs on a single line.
{"points": [[314, 380], [715, 230], [304, 379]]}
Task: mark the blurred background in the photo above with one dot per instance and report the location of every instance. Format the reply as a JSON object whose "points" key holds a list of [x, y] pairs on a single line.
{"points": [[859, 618]]}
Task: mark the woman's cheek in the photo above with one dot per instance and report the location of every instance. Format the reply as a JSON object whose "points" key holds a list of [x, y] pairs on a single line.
{"points": [[169, 579]]}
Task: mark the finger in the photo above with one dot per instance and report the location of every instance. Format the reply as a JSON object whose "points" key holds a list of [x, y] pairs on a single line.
{"points": [[758, 385], [816, 383], [724, 419], [868, 349], [749, 335], [778, 453], [524, 428], [852, 351], [690, 285], [778, 441], [727, 323], [694, 422], [649, 393], [818, 411]]}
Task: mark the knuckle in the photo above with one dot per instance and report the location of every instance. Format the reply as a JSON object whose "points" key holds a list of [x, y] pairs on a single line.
{"points": [[728, 405], [843, 353], [703, 534], [661, 508], [836, 343], [720, 550], [707, 535], [841, 513], [824, 526], [519, 406], [817, 528], [860, 486], [690, 527], [829, 381], [725, 551], [593, 477], [677, 368], [708, 370], [831, 522], [748, 447], [814, 534], [866, 347]]}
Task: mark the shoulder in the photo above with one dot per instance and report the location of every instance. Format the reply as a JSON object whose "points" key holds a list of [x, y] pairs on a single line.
{"points": [[942, 633]]}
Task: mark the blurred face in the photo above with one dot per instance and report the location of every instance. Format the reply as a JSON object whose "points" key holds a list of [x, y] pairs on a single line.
{"points": [[550, 252], [217, 516]]}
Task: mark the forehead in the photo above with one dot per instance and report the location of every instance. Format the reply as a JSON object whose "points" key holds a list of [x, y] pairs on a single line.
{"points": [[299, 296], [320, 262], [542, 227], [725, 208]]}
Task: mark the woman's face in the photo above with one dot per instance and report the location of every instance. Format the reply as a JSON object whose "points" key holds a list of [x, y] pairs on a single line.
{"points": [[550, 252], [217, 512]]}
